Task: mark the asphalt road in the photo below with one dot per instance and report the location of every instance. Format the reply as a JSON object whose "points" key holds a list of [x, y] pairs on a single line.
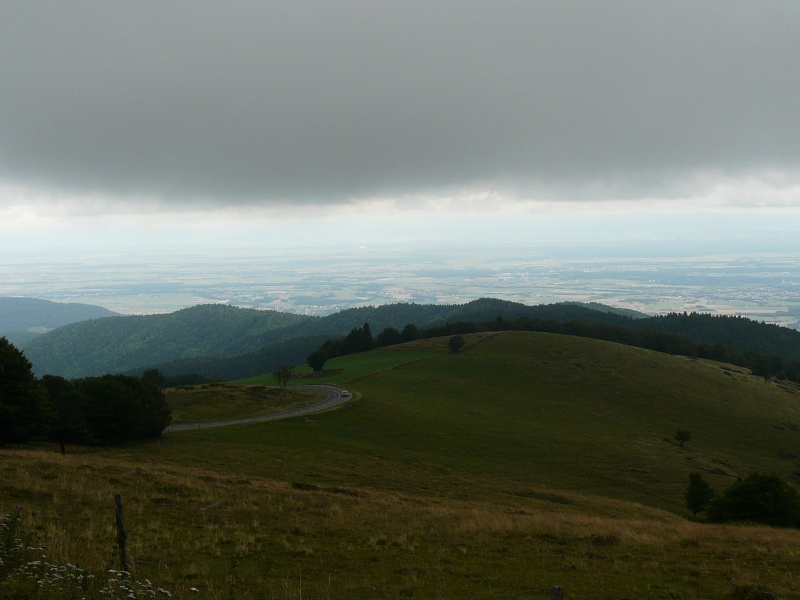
{"points": [[333, 397]]}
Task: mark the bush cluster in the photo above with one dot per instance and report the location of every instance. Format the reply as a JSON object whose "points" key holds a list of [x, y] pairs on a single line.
{"points": [[759, 498]]}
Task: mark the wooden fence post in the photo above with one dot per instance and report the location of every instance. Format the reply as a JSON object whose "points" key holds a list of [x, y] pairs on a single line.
{"points": [[121, 535], [557, 593]]}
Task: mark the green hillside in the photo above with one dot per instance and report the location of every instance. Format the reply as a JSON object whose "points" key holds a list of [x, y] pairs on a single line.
{"points": [[121, 344], [298, 340], [218, 341], [22, 314], [526, 460], [590, 415], [289, 352], [249, 340], [23, 319]]}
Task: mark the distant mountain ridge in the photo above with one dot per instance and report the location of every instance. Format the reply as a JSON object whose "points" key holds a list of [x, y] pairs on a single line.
{"points": [[120, 344], [22, 319]]}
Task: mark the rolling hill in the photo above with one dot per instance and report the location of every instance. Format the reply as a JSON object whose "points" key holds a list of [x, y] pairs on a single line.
{"points": [[121, 344], [208, 332], [592, 416], [220, 341], [526, 460]]}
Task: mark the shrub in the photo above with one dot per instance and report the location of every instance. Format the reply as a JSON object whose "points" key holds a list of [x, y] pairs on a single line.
{"points": [[456, 343], [698, 493], [759, 498]]}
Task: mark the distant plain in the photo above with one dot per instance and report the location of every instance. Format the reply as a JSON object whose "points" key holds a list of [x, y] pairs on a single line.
{"points": [[760, 283]]}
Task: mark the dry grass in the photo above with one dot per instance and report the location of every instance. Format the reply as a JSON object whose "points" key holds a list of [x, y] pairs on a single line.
{"points": [[258, 538]]}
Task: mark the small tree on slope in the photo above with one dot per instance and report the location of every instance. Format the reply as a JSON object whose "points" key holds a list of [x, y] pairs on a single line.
{"points": [[698, 494]]}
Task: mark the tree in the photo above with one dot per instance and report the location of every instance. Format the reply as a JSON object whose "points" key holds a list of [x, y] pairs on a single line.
{"points": [[155, 377], [69, 407], [283, 374], [456, 343], [410, 332], [388, 337], [155, 413], [698, 494], [682, 436], [358, 340], [316, 360], [24, 407], [111, 410], [759, 498]]}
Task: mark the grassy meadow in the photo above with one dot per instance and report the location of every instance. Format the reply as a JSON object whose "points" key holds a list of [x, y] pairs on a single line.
{"points": [[523, 462]]}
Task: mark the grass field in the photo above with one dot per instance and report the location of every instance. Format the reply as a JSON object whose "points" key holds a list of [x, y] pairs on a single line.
{"points": [[523, 462]]}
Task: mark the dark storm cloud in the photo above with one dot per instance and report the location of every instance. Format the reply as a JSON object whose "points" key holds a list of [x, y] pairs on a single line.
{"points": [[327, 101]]}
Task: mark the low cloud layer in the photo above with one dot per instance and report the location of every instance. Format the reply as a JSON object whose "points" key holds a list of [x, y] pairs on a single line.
{"points": [[312, 102]]}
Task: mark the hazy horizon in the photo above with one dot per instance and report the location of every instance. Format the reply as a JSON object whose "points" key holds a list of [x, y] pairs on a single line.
{"points": [[715, 276]]}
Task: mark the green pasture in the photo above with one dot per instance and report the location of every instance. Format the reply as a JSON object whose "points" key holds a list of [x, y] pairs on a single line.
{"points": [[524, 408]]}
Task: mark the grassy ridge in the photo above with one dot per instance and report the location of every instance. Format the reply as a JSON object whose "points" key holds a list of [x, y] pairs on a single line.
{"points": [[525, 461], [554, 410]]}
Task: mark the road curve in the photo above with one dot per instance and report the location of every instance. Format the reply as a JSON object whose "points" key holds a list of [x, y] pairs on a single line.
{"points": [[333, 397]]}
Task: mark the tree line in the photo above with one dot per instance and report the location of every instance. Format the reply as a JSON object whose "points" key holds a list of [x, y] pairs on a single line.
{"points": [[96, 410]]}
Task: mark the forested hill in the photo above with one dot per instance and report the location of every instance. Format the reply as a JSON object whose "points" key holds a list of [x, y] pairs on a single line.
{"points": [[428, 315], [22, 319], [120, 344], [125, 344], [738, 332], [247, 341]]}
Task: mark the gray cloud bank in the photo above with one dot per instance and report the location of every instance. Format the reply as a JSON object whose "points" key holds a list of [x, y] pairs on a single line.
{"points": [[329, 101]]}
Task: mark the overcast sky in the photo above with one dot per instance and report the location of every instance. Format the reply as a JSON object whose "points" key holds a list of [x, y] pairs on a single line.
{"points": [[133, 112]]}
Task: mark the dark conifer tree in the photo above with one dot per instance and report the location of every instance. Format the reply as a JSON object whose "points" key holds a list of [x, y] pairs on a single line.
{"points": [[24, 407]]}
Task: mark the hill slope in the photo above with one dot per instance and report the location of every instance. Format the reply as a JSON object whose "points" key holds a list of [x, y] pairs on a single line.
{"points": [[452, 476], [515, 409], [22, 319], [252, 341], [215, 331], [120, 344], [586, 415]]}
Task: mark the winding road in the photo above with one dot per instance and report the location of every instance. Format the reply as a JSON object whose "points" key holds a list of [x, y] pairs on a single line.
{"points": [[333, 397]]}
